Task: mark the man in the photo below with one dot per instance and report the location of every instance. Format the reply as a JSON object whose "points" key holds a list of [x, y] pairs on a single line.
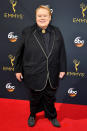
{"points": [[40, 60]]}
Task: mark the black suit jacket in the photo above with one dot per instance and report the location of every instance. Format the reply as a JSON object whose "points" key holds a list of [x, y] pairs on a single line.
{"points": [[33, 62]]}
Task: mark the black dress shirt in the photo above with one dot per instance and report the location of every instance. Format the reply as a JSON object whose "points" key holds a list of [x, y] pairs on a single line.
{"points": [[46, 38]]}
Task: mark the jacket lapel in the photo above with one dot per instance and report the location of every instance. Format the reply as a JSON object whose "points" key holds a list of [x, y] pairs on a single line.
{"points": [[51, 44], [40, 41]]}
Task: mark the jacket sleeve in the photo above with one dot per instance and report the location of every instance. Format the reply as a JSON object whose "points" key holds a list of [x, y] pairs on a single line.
{"points": [[19, 53], [62, 52], [63, 62]]}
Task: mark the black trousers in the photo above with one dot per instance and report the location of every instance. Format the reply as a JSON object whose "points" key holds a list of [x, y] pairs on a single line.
{"points": [[43, 100]]}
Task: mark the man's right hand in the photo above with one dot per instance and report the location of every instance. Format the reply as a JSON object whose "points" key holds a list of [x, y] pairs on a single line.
{"points": [[19, 76]]}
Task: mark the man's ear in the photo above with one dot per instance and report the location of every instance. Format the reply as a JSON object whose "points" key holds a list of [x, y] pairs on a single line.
{"points": [[50, 17]]}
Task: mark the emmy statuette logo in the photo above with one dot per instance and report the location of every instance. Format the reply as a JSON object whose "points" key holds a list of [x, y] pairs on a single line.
{"points": [[13, 14], [76, 73], [12, 58], [84, 8], [11, 66], [13, 3], [82, 19], [76, 62]]}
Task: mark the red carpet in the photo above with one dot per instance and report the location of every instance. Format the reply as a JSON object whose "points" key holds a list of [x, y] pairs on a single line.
{"points": [[14, 115]]}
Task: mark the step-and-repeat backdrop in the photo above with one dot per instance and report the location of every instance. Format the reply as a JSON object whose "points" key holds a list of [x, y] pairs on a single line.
{"points": [[71, 17]]}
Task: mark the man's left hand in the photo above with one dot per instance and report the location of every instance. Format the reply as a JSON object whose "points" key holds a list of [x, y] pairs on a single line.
{"points": [[61, 74]]}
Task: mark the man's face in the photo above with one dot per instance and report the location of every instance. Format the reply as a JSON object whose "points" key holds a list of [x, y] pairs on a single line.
{"points": [[43, 18]]}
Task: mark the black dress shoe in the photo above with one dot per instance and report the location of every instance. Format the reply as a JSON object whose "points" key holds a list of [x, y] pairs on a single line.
{"points": [[31, 121], [55, 122]]}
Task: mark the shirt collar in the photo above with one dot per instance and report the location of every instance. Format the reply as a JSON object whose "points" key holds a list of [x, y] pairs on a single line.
{"points": [[47, 29]]}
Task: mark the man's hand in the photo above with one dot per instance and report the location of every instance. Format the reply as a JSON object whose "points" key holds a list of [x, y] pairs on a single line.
{"points": [[19, 76], [61, 74]]}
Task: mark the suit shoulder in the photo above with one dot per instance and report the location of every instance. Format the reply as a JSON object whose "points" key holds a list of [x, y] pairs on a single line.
{"points": [[56, 28], [29, 29]]}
